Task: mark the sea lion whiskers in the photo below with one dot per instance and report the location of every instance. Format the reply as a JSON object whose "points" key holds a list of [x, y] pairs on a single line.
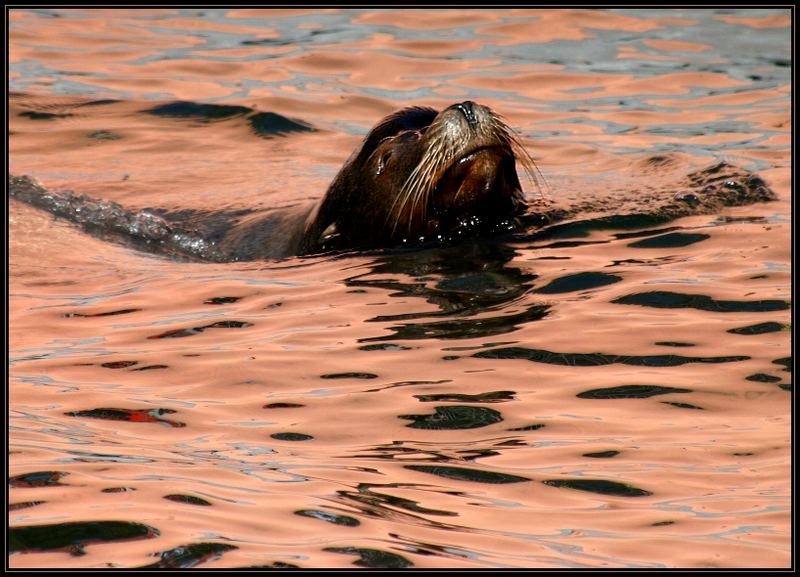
{"points": [[513, 141], [423, 179], [531, 169]]}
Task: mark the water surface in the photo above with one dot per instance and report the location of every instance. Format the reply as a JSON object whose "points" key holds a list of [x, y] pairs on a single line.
{"points": [[604, 397]]}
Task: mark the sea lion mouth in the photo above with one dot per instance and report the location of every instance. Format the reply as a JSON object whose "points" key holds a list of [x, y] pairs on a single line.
{"points": [[483, 170], [479, 190]]}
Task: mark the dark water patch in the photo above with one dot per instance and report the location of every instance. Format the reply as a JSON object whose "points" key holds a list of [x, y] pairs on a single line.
{"points": [[660, 161], [598, 359], [24, 505], [178, 333], [786, 386], [205, 112], [291, 436], [349, 376], [481, 346], [786, 362], [101, 102], [151, 368], [265, 42], [35, 115], [491, 397], [188, 499], [283, 406], [455, 417], [763, 378], [472, 475], [760, 328], [118, 490], [343, 520], [228, 325], [630, 392], [670, 240], [107, 314], [662, 523], [377, 504], [464, 328], [38, 479], [274, 565], [600, 486], [130, 415], [186, 556], [674, 344], [511, 443], [533, 427], [268, 124], [119, 364], [626, 261], [579, 281], [475, 454], [430, 549], [683, 405], [743, 454], [373, 558], [406, 384], [385, 347], [74, 536], [583, 228], [672, 300], [221, 300], [602, 454], [103, 135]]}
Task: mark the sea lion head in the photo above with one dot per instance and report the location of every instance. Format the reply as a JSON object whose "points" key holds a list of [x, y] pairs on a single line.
{"points": [[423, 176]]}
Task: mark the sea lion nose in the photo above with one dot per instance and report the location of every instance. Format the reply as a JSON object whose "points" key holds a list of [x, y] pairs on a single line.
{"points": [[467, 108]]}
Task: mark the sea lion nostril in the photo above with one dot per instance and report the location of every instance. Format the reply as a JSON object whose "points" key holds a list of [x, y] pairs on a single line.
{"points": [[468, 111]]}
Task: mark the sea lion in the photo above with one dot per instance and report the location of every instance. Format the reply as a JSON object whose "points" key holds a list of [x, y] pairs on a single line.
{"points": [[422, 175], [419, 176]]}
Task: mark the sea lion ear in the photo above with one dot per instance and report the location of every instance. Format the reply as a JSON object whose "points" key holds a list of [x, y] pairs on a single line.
{"points": [[412, 118]]}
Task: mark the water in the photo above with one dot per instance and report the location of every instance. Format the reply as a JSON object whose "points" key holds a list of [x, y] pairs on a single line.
{"points": [[613, 397]]}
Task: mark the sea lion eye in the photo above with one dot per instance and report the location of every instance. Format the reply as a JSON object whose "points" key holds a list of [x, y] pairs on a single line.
{"points": [[382, 162]]}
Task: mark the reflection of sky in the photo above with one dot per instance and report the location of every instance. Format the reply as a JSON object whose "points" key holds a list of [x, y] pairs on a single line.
{"points": [[758, 55]]}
